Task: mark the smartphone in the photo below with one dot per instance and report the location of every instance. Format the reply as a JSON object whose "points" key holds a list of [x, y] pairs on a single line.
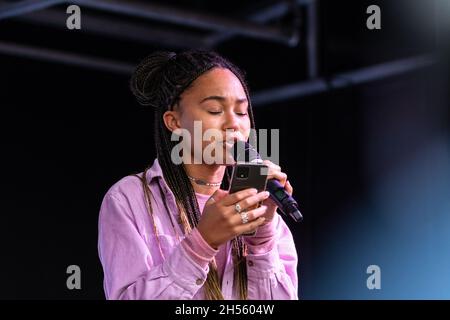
{"points": [[246, 176]]}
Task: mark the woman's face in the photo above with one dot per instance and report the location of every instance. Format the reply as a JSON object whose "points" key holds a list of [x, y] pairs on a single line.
{"points": [[218, 102]]}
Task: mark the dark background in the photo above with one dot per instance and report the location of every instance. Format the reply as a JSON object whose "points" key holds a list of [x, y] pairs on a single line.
{"points": [[369, 162]]}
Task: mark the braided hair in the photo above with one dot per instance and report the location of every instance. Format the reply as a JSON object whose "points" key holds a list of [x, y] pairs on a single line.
{"points": [[158, 82]]}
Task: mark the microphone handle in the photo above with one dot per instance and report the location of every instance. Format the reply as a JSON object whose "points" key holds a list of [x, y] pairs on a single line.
{"points": [[287, 205]]}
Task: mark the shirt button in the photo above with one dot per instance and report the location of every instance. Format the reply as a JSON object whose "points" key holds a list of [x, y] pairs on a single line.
{"points": [[250, 263], [199, 282]]}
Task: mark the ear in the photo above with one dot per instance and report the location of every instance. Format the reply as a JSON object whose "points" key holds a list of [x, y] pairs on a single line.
{"points": [[172, 120]]}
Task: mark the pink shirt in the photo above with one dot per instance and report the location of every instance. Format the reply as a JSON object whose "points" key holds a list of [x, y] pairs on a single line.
{"points": [[135, 267]]}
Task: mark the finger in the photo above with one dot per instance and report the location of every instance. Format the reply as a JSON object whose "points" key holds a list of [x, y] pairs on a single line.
{"points": [[272, 165], [218, 195], [280, 176], [238, 196], [250, 226], [211, 200], [251, 215], [289, 188], [252, 200], [275, 171]]}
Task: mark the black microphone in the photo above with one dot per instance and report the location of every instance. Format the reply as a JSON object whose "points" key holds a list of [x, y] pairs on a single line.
{"points": [[244, 152]]}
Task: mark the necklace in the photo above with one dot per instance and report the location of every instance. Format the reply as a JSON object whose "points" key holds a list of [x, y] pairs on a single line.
{"points": [[204, 183]]}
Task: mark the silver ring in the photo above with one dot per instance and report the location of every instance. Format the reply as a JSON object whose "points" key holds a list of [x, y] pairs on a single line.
{"points": [[244, 217], [238, 208]]}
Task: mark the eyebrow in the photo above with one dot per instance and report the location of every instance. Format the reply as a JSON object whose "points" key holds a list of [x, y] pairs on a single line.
{"points": [[222, 99]]}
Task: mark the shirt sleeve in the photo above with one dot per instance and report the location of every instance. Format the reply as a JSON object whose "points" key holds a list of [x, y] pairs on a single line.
{"points": [[130, 271], [264, 239], [198, 249], [272, 269]]}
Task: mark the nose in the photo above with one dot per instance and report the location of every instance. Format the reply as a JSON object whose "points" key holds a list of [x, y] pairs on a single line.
{"points": [[231, 122]]}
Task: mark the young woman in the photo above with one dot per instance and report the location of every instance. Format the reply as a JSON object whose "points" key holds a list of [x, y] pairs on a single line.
{"points": [[172, 232]]}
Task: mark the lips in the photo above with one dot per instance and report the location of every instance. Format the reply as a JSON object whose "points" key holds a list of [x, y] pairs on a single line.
{"points": [[232, 140], [229, 143]]}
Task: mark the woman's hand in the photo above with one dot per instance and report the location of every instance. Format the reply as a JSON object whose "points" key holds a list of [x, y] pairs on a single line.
{"points": [[220, 222], [275, 173]]}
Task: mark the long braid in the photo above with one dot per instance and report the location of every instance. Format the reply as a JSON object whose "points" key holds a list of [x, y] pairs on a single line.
{"points": [[158, 82]]}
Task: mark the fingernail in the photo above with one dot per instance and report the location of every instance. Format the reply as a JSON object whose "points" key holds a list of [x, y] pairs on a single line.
{"points": [[254, 191], [266, 193]]}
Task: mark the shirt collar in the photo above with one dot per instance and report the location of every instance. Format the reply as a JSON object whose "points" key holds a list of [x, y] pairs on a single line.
{"points": [[155, 171]]}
